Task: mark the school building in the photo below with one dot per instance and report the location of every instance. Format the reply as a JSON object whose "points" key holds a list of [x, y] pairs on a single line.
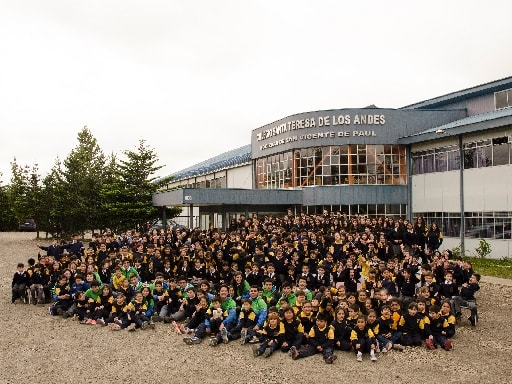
{"points": [[447, 159]]}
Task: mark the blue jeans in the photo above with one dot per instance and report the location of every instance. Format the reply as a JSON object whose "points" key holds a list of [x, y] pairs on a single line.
{"points": [[395, 336]]}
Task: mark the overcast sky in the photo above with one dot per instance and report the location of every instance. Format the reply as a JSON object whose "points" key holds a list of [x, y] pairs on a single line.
{"points": [[194, 78]]}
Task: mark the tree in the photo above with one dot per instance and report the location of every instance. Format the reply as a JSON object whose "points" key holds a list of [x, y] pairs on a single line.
{"points": [[7, 218], [80, 185], [53, 201], [127, 197], [24, 192]]}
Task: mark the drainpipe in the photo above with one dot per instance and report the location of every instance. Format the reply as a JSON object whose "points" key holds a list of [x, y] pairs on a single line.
{"points": [[461, 197]]}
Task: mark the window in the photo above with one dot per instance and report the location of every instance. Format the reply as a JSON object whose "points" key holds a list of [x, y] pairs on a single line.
{"points": [[500, 151], [333, 165], [477, 225], [503, 99], [453, 160]]}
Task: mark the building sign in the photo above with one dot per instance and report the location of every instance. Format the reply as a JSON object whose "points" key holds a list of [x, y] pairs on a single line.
{"points": [[366, 126], [319, 135], [322, 121], [297, 130]]}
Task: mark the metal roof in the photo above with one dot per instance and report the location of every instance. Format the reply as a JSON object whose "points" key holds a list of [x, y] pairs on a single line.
{"points": [[489, 120], [238, 156], [436, 102]]}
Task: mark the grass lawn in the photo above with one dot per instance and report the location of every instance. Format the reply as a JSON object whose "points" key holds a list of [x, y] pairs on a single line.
{"points": [[492, 267]]}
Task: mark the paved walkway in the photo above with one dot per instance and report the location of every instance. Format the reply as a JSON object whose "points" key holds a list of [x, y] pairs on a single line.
{"points": [[496, 280]]}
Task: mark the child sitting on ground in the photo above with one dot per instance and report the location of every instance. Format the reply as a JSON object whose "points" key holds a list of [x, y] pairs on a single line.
{"points": [[61, 297], [80, 307], [341, 332], [102, 306], [118, 318], [197, 320], [320, 340], [214, 316], [363, 339], [387, 336], [137, 313], [293, 330], [411, 325], [271, 335], [247, 319], [437, 330]]}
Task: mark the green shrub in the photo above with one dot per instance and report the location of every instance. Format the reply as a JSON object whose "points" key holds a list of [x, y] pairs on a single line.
{"points": [[484, 249]]}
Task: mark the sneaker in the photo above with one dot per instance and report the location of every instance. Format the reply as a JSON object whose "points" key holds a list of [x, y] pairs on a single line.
{"points": [[255, 351], [373, 357], [192, 340], [224, 335], [243, 336], [118, 322], [92, 322], [384, 350], [399, 347], [115, 327], [359, 356], [131, 327], [294, 353], [89, 321], [430, 344], [267, 352], [254, 340], [448, 345], [144, 325], [84, 321], [100, 322], [151, 325], [213, 342], [330, 359], [387, 347]]}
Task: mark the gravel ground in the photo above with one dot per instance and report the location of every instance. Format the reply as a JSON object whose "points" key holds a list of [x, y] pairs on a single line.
{"points": [[37, 347]]}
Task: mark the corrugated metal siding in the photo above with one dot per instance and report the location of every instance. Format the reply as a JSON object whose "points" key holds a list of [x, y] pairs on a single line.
{"points": [[355, 194], [476, 105]]}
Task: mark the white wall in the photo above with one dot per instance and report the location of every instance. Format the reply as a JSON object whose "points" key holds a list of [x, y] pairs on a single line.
{"points": [[499, 248], [488, 189], [485, 190], [240, 177], [436, 192]]}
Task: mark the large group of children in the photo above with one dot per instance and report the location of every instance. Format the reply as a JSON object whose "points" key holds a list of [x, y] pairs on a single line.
{"points": [[301, 284]]}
